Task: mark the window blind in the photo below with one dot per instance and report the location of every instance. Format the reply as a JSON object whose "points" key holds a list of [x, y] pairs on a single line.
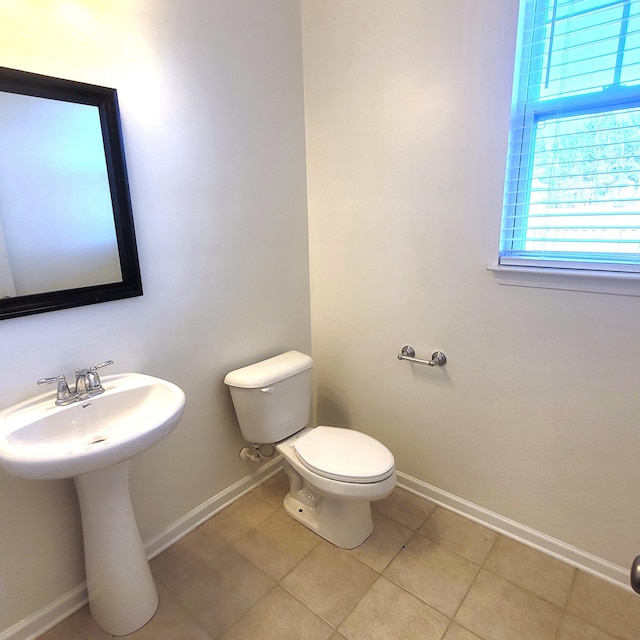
{"points": [[572, 190]]}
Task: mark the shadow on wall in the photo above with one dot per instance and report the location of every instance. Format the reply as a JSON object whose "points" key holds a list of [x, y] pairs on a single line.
{"points": [[333, 410]]}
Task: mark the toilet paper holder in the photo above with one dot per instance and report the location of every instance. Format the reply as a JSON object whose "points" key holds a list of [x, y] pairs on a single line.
{"points": [[408, 353]]}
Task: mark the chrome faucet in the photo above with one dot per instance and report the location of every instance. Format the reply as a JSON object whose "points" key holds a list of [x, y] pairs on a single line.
{"points": [[88, 385]]}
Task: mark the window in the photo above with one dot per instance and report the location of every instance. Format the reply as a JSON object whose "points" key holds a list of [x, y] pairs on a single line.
{"points": [[572, 189]]}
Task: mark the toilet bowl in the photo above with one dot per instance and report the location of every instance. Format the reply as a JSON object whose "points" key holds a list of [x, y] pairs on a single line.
{"points": [[323, 495], [333, 472]]}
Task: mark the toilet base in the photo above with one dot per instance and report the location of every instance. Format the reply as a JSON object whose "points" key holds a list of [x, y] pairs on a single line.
{"points": [[345, 523]]}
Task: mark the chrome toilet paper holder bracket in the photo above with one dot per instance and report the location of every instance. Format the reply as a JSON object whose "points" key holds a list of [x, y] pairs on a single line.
{"points": [[408, 353]]}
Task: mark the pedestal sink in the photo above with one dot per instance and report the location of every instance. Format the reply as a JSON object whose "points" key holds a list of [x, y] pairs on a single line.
{"points": [[92, 441]]}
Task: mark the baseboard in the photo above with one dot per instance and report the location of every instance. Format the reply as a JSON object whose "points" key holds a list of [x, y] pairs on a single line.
{"points": [[209, 508], [551, 546], [48, 617]]}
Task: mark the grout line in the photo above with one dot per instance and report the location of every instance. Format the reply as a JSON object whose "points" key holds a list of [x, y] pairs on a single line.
{"points": [[475, 579], [559, 630]]}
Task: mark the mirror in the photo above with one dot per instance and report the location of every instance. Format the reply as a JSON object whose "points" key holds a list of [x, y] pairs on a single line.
{"points": [[66, 227]]}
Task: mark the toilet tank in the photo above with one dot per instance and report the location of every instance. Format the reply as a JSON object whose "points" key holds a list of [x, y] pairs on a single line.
{"points": [[272, 398]]}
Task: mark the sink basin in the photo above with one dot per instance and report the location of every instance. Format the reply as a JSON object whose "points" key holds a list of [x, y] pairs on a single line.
{"points": [[91, 441], [40, 440]]}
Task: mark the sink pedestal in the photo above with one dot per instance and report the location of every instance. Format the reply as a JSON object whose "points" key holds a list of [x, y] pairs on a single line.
{"points": [[92, 442], [122, 594]]}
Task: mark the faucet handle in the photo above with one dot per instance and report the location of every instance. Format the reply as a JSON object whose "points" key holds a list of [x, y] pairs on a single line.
{"points": [[106, 363], [59, 378]]}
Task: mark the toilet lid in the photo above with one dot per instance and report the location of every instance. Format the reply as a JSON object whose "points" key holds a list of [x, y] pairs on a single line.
{"points": [[344, 454]]}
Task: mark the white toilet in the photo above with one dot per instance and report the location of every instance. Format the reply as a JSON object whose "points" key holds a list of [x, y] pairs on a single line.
{"points": [[334, 473]]}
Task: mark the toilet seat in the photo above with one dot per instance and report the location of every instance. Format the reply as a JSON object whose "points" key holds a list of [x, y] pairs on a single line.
{"points": [[344, 454]]}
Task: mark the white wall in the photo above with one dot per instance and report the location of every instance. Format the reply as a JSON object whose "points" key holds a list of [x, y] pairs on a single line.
{"points": [[212, 106], [536, 415]]}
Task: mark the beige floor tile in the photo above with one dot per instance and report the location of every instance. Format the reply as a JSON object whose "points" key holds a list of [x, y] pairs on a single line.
{"points": [[456, 632], [163, 591], [80, 626], [238, 518], [337, 636], [185, 558], [495, 609], [273, 489], [171, 621], [330, 582], [388, 612], [436, 575], [277, 544], [218, 595], [405, 508], [530, 569], [204, 543], [384, 543], [605, 606], [574, 629], [279, 616], [467, 538]]}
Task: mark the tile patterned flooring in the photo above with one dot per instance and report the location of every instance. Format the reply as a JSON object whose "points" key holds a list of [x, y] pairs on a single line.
{"points": [[252, 573]]}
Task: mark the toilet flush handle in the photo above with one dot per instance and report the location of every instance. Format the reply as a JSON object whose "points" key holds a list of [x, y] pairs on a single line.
{"points": [[267, 389]]}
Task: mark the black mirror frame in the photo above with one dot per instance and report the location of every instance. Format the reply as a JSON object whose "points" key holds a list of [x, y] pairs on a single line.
{"points": [[106, 99]]}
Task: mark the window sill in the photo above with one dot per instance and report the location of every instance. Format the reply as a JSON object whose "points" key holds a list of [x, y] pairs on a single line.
{"points": [[622, 284]]}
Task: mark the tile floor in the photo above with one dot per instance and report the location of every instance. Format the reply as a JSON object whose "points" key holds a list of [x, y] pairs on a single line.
{"points": [[253, 573]]}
